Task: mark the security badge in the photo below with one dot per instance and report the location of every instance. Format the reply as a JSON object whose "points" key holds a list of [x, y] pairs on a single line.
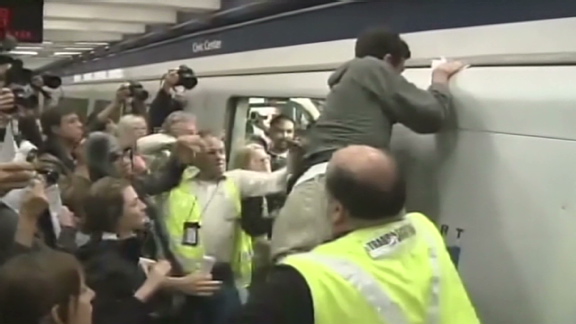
{"points": [[191, 233]]}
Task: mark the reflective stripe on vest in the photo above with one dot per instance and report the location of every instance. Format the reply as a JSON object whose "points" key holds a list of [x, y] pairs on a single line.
{"points": [[434, 306], [369, 287], [388, 310]]}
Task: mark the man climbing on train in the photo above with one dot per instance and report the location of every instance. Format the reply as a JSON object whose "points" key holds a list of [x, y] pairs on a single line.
{"points": [[368, 96]]}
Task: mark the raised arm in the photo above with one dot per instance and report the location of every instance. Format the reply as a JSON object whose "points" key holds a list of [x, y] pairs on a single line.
{"points": [[423, 111], [253, 184]]}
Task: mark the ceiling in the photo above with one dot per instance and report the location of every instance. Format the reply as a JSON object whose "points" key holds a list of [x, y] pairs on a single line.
{"points": [[75, 26]]}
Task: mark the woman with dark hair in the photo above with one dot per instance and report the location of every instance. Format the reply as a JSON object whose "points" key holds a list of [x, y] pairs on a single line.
{"points": [[44, 287]]}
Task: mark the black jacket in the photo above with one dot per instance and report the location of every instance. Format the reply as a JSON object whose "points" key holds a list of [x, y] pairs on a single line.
{"points": [[113, 272], [9, 248], [162, 106]]}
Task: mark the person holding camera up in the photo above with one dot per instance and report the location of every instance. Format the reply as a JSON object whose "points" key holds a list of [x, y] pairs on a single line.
{"points": [[168, 100], [130, 99]]}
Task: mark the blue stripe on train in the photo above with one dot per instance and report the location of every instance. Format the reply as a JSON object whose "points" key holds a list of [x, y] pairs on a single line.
{"points": [[454, 252], [340, 22]]}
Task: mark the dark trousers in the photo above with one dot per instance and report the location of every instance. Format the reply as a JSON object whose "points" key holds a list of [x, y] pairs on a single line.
{"points": [[216, 309]]}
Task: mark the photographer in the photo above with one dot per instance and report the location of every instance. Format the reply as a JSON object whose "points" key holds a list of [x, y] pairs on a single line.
{"points": [[168, 100], [130, 99], [18, 229], [48, 88]]}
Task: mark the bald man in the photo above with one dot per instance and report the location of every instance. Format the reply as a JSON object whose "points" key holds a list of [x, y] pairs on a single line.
{"points": [[381, 267]]}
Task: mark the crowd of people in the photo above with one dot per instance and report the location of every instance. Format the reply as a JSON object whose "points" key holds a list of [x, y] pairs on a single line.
{"points": [[136, 218]]}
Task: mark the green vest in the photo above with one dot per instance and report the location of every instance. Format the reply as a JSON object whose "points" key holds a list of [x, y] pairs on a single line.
{"points": [[182, 207], [399, 273]]}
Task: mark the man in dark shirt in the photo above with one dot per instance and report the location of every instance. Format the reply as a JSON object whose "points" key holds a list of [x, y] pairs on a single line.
{"points": [[368, 96]]}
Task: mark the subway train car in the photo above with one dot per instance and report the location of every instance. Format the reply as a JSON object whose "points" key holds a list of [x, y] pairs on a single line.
{"points": [[498, 181]]}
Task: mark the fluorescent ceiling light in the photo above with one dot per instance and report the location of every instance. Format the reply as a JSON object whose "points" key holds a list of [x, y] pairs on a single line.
{"points": [[66, 53], [47, 43], [23, 52], [78, 48], [91, 43], [28, 48]]}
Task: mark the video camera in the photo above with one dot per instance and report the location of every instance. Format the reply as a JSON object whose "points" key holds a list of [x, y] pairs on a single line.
{"points": [[21, 80], [186, 77]]}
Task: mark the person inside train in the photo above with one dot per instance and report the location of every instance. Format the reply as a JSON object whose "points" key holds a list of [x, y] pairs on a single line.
{"points": [[281, 138], [113, 214], [380, 266], [210, 196], [368, 95], [167, 100], [44, 287], [280, 133]]}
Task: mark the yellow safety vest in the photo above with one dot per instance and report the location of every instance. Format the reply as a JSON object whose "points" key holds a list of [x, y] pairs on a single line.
{"points": [[399, 273], [182, 207]]}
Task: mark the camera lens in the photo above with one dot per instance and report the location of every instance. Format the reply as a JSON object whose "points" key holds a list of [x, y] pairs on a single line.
{"points": [[52, 81], [187, 78]]}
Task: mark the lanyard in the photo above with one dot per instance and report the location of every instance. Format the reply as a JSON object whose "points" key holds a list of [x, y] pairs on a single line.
{"points": [[205, 206]]}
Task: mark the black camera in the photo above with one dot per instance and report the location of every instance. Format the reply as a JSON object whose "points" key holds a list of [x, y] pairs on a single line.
{"points": [[137, 91], [19, 80], [50, 177], [51, 81], [186, 77]]}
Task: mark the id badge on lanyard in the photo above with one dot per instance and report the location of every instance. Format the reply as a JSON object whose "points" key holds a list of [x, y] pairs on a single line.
{"points": [[191, 234]]}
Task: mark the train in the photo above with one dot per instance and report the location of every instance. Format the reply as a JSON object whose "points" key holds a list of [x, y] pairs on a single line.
{"points": [[497, 181]]}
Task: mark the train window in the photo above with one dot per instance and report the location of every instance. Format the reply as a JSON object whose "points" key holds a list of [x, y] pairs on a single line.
{"points": [[79, 105], [251, 116], [261, 110]]}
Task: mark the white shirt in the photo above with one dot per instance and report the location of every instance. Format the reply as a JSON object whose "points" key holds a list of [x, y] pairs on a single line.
{"points": [[218, 208], [23, 151], [312, 172]]}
